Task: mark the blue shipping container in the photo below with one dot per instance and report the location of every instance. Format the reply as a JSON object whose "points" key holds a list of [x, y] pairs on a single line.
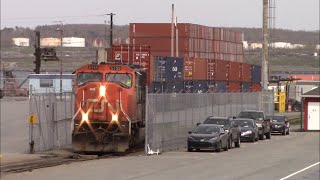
{"points": [[195, 86], [167, 87], [255, 73], [245, 87], [168, 69], [221, 86]]}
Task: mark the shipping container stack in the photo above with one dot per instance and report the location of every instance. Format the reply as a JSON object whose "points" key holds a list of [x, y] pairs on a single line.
{"points": [[209, 59]]}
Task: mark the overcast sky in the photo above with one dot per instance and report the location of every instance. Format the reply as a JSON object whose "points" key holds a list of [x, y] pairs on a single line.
{"points": [[290, 14]]}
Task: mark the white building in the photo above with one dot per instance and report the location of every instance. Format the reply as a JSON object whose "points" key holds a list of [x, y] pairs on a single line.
{"points": [[73, 42], [245, 44], [21, 42], [255, 46], [50, 42], [44, 83]]}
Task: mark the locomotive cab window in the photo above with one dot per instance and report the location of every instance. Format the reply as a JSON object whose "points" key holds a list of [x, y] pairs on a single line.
{"points": [[123, 79], [85, 77]]}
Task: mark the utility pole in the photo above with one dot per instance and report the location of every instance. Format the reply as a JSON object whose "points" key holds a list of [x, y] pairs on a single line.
{"points": [[172, 31], [37, 53], [61, 35], [105, 33], [265, 51], [111, 28], [177, 38]]}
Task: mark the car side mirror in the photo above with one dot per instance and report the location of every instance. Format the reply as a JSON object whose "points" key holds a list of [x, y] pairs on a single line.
{"points": [[189, 132], [198, 124]]}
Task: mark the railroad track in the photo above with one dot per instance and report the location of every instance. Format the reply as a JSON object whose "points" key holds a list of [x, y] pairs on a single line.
{"points": [[50, 161]]}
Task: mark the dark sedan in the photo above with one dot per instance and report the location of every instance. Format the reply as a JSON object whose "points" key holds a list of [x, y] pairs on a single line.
{"points": [[249, 129], [280, 124], [208, 136], [229, 127]]}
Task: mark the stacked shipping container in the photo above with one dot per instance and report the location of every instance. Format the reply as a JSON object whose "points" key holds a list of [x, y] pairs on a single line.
{"points": [[194, 40]]}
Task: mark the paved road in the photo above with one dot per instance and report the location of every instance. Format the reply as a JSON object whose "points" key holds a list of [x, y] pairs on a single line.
{"points": [[268, 159]]}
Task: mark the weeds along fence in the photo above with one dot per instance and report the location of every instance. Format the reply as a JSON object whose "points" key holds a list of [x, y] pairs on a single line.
{"points": [[51, 124], [169, 117]]}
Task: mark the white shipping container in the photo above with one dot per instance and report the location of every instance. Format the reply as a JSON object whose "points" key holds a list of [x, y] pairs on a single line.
{"points": [[73, 42], [22, 42]]}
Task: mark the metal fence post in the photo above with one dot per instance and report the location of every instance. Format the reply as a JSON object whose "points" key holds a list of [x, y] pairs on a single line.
{"points": [[31, 143], [146, 122]]}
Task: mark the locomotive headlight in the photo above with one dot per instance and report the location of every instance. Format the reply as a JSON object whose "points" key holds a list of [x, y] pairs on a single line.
{"points": [[102, 91], [114, 118], [85, 117]]}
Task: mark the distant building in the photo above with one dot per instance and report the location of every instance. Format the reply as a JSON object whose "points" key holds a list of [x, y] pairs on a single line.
{"points": [[73, 42], [21, 42], [285, 45], [255, 46], [44, 83], [318, 46], [245, 44], [50, 42]]}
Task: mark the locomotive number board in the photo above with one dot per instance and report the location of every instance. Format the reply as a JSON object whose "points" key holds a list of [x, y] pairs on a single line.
{"points": [[115, 68], [93, 67]]}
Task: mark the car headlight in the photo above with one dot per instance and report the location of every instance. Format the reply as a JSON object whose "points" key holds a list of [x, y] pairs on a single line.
{"points": [[226, 131], [246, 133], [213, 139], [259, 125]]}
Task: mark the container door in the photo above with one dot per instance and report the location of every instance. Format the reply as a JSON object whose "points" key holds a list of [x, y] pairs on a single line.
{"points": [[313, 116]]}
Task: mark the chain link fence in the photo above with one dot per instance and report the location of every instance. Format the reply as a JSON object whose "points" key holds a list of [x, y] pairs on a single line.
{"points": [[52, 125], [170, 116]]}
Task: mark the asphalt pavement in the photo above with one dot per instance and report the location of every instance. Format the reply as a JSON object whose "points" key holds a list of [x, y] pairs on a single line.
{"points": [[280, 157]]}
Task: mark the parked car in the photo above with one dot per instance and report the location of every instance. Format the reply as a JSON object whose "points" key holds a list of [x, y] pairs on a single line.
{"points": [[280, 124], [264, 124], [229, 127], [249, 129], [208, 136]]}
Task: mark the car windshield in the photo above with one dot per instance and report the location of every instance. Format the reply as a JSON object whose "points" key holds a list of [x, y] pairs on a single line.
{"points": [[277, 119], [85, 77], [224, 122], [244, 123], [206, 130], [123, 79], [251, 115]]}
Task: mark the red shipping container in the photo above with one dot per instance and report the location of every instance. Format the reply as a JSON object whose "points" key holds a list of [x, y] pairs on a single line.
{"points": [[158, 30], [187, 69], [199, 70], [211, 69], [137, 55], [161, 44], [245, 72], [310, 77], [240, 58], [233, 86], [234, 71], [221, 72], [168, 53], [239, 48], [255, 87]]}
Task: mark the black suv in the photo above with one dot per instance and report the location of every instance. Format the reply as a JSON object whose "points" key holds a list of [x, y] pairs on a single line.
{"points": [[264, 124], [233, 130]]}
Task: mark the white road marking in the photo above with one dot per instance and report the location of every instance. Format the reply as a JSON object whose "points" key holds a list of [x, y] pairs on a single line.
{"points": [[300, 171]]}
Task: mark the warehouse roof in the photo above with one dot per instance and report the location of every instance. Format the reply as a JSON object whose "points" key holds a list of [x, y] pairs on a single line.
{"points": [[313, 93]]}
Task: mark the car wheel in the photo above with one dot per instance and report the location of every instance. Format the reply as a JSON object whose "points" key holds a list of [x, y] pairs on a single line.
{"points": [[297, 108], [261, 136], [190, 149], [219, 147], [284, 132], [268, 136], [238, 142]]}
